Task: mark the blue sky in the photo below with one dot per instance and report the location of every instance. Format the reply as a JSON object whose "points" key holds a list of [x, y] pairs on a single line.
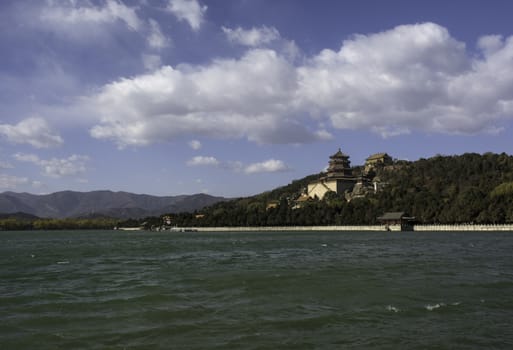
{"points": [[233, 98]]}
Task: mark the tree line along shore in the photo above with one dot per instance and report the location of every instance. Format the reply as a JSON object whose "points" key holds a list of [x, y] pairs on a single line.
{"points": [[470, 189]]}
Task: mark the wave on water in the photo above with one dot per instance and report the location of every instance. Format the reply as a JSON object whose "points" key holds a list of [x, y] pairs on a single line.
{"points": [[440, 305], [248, 291], [428, 307], [392, 308], [434, 307]]}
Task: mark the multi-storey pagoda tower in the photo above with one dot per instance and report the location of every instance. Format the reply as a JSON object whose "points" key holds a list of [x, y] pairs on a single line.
{"points": [[339, 178], [339, 166]]}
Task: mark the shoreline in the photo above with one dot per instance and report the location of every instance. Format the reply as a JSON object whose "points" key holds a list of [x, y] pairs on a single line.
{"points": [[354, 228]]}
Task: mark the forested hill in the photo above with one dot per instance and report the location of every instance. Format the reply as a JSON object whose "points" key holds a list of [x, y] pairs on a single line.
{"points": [[443, 189], [457, 189]]}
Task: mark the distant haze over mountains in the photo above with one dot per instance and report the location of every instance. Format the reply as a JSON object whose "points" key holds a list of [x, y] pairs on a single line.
{"points": [[101, 203]]}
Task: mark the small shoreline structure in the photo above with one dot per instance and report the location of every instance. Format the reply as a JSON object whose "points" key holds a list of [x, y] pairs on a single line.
{"points": [[400, 219]]}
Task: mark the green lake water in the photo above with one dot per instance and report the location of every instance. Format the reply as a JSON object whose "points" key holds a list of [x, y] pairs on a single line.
{"points": [[307, 290]]}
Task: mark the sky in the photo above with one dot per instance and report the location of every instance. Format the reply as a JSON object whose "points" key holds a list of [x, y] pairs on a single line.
{"points": [[236, 97]]}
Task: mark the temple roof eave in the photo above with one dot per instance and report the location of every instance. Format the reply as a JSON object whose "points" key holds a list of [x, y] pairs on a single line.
{"points": [[339, 154]]}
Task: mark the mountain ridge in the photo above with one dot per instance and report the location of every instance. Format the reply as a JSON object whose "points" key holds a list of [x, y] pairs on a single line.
{"points": [[119, 204]]}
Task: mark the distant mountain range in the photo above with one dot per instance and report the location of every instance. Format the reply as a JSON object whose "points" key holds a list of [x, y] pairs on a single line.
{"points": [[123, 205]]}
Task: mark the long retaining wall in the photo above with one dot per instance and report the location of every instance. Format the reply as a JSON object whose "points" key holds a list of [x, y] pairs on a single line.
{"points": [[395, 228], [297, 228], [466, 227]]}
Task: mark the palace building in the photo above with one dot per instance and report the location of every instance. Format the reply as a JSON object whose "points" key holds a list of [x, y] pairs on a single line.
{"points": [[339, 178], [377, 160]]}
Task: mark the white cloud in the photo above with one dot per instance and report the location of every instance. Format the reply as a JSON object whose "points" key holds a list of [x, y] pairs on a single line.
{"points": [[324, 135], [195, 144], [188, 10], [202, 160], [250, 97], [11, 182], [24, 157], [38, 184], [252, 37], [395, 80], [151, 62], [156, 39], [269, 166], [490, 44], [68, 13], [259, 37], [412, 77], [5, 165], [33, 131], [55, 167]]}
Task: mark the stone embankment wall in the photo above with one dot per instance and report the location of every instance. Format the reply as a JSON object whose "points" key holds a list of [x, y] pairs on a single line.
{"points": [[298, 228], [419, 228], [468, 227]]}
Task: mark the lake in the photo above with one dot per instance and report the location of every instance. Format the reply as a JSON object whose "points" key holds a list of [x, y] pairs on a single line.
{"points": [[304, 290]]}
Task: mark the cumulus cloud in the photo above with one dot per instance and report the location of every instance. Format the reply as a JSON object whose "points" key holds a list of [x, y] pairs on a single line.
{"points": [[263, 37], [188, 10], [82, 20], [151, 62], [324, 135], [156, 39], [490, 44], [5, 165], [411, 77], [249, 97], [11, 182], [32, 131], [55, 167], [195, 144], [202, 160], [392, 80], [68, 13], [268, 166], [252, 37]]}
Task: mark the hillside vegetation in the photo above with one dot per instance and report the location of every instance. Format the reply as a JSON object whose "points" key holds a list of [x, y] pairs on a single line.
{"points": [[470, 188]]}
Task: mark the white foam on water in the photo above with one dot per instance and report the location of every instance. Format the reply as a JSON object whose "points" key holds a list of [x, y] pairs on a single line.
{"points": [[392, 308], [439, 305], [434, 307]]}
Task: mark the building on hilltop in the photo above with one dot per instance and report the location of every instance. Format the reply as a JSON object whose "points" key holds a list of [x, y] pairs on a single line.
{"points": [[338, 179], [377, 160]]}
